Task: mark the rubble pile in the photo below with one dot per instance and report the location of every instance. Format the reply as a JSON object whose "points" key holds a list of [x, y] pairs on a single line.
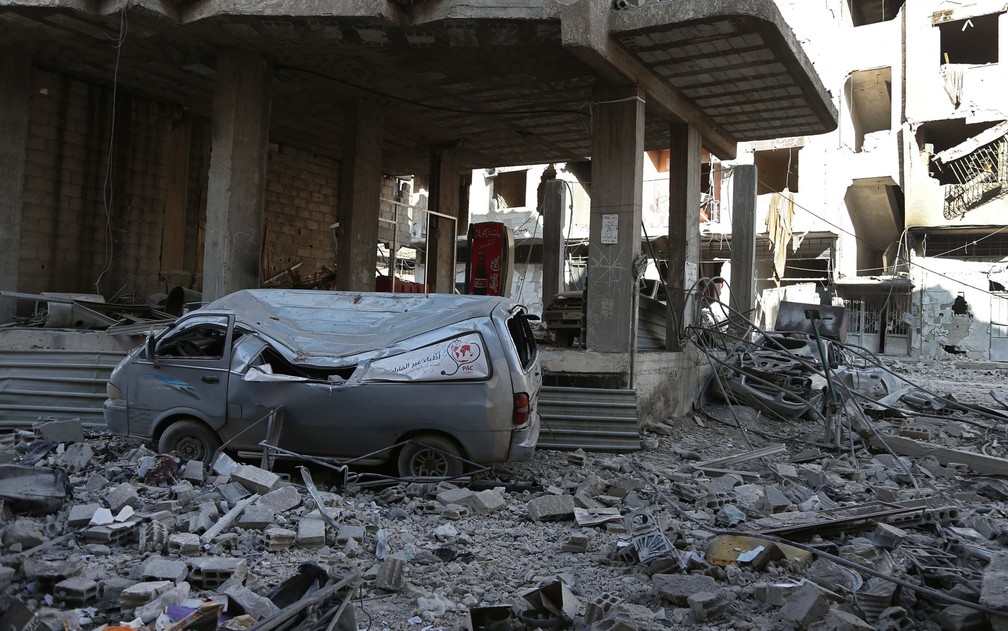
{"points": [[701, 530]]}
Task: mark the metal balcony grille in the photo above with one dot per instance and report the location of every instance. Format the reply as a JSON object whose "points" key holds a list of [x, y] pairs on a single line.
{"points": [[982, 176]]}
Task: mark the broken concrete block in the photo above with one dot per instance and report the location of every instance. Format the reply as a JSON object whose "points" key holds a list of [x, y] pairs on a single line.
{"points": [[348, 532], [184, 543], [160, 569], [140, 594], [707, 605], [455, 496], [256, 517], [454, 511], [392, 573], [773, 594], [212, 572], [175, 595], [311, 533], [24, 533], [121, 496], [283, 499], [489, 501], [46, 574], [6, 574], [114, 534], [183, 492], [76, 458], [804, 607], [255, 479], [575, 543], [76, 592], [889, 537], [994, 589], [677, 588], [205, 517], [193, 471], [95, 482], [278, 539], [101, 517], [81, 514], [61, 431], [551, 508], [959, 618]]}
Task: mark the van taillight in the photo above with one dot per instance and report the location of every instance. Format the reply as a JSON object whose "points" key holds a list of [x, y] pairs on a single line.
{"points": [[521, 409]]}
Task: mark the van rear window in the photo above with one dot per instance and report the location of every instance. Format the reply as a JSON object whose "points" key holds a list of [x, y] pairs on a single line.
{"points": [[521, 335]]}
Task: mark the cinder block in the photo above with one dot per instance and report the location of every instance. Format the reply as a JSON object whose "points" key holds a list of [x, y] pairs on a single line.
{"points": [[255, 479], [184, 543], [212, 572], [391, 574], [311, 533], [160, 569], [140, 594], [76, 592], [278, 539], [804, 607], [121, 496]]}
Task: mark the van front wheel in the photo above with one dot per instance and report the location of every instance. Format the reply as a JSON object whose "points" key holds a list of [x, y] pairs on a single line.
{"points": [[191, 440], [430, 456]]}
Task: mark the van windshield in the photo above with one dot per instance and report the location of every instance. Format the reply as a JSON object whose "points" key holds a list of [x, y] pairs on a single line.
{"points": [[521, 335]]}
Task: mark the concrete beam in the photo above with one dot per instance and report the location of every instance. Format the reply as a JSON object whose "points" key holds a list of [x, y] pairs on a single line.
{"points": [[359, 195], [441, 232], [237, 182], [554, 209], [615, 225], [584, 27], [684, 228], [15, 106], [743, 243]]}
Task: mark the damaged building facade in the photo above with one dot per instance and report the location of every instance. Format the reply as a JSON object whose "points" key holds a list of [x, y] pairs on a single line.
{"points": [[899, 213], [216, 145]]}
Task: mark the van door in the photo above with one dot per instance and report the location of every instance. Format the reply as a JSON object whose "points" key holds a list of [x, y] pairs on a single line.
{"points": [[184, 371]]}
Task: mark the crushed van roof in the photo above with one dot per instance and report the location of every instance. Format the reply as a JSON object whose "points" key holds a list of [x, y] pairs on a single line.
{"points": [[322, 326]]}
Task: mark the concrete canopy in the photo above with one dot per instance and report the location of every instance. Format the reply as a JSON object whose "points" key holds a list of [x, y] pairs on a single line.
{"points": [[503, 83]]}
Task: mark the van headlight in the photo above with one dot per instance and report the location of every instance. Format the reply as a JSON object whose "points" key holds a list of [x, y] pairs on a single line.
{"points": [[113, 391]]}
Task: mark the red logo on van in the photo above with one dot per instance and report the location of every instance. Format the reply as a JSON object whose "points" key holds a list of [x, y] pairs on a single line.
{"points": [[463, 352]]}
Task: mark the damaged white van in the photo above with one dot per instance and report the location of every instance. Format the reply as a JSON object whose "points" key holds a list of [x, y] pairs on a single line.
{"points": [[354, 374]]}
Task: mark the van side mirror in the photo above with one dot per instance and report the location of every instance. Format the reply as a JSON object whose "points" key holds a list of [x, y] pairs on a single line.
{"points": [[150, 349]]}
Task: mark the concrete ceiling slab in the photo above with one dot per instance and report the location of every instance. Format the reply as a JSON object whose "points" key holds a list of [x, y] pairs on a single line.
{"points": [[499, 82]]}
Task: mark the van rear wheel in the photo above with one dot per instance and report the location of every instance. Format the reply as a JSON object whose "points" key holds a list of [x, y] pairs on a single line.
{"points": [[430, 456], [191, 440]]}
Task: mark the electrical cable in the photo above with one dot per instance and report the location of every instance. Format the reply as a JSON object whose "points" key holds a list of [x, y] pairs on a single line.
{"points": [[108, 186]]}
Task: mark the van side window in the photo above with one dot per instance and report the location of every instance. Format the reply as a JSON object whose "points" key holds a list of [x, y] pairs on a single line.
{"points": [[521, 335], [205, 341]]}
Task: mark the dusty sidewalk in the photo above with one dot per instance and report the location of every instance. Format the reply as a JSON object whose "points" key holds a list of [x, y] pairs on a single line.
{"points": [[185, 536]]}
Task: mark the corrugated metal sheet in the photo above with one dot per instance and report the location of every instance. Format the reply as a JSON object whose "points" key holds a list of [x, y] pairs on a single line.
{"points": [[593, 419], [58, 383]]}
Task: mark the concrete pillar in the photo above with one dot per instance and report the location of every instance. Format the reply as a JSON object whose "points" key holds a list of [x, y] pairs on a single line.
{"points": [[615, 228], [441, 233], [15, 104], [554, 210], [237, 183], [743, 242], [359, 195], [684, 228]]}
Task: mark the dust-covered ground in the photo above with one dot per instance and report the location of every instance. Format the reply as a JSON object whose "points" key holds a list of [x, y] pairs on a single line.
{"points": [[446, 549]]}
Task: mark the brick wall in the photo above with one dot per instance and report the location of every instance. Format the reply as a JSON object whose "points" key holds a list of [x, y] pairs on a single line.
{"points": [[301, 201], [72, 238]]}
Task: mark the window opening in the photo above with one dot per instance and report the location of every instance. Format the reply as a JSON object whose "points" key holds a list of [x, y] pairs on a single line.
{"points": [[777, 170], [970, 41]]}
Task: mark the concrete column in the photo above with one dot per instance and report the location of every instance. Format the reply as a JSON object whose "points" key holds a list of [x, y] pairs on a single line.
{"points": [[554, 210], [237, 183], [359, 194], [684, 228], [615, 228], [443, 198], [15, 104], [743, 242]]}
